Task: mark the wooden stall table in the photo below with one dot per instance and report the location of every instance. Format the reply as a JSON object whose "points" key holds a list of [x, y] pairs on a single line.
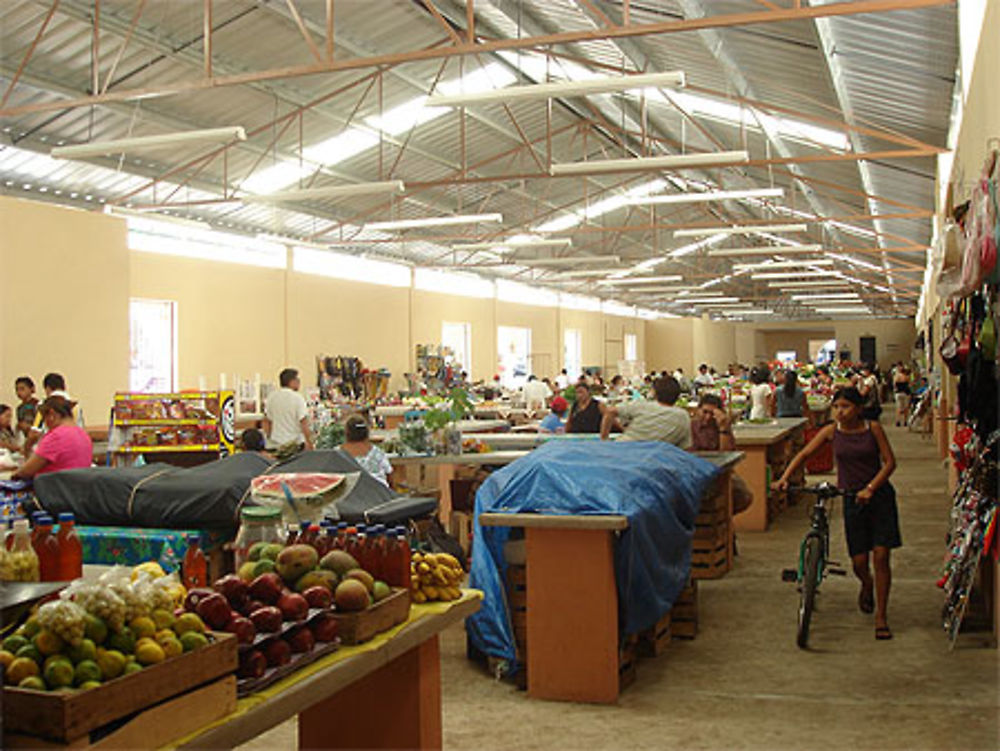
{"points": [[763, 445], [393, 415], [572, 610], [382, 694], [445, 464]]}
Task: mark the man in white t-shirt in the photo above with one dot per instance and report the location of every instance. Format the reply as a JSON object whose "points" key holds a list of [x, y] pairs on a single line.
{"points": [[286, 418], [656, 420], [562, 381], [704, 378], [536, 393]]}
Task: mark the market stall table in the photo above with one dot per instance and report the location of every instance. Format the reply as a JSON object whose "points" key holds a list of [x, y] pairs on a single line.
{"points": [[579, 600], [130, 546], [445, 465], [385, 693], [764, 445]]}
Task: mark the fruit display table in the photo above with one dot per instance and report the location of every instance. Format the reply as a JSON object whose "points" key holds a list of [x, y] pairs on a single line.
{"points": [[768, 450], [130, 546], [385, 693], [445, 465]]}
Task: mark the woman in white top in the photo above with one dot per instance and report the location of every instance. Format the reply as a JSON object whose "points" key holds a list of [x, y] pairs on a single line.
{"points": [[357, 443], [760, 394]]}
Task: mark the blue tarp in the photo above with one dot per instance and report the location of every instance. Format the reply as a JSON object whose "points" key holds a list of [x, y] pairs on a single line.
{"points": [[656, 485]]}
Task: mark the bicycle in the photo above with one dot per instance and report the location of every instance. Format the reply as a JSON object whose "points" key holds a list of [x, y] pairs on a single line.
{"points": [[814, 564]]}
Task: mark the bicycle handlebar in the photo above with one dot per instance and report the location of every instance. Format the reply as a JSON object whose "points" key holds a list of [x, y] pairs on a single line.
{"points": [[823, 490]]}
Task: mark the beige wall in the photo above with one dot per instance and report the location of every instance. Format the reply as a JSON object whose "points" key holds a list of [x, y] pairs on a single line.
{"points": [[670, 344], [64, 289]]}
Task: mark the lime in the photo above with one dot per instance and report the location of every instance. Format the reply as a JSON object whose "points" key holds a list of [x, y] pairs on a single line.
{"points": [[193, 640], [47, 642], [21, 668], [143, 626], [31, 652], [89, 685], [87, 671], [122, 641], [112, 663], [59, 674], [14, 642], [33, 682], [85, 650], [96, 629], [132, 667]]}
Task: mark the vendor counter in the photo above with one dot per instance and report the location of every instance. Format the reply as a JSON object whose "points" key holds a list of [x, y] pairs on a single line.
{"points": [[768, 449], [581, 600]]}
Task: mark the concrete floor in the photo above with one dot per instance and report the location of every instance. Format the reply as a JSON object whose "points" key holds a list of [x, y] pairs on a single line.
{"points": [[743, 684]]}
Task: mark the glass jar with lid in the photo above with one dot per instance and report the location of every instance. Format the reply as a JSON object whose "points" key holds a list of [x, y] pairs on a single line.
{"points": [[257, 524]]}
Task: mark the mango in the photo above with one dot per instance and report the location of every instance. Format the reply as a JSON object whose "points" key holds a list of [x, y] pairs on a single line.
{"points": [[163, 619], [14, 642], [338, 561], [294, 561], [89, 685], [362, 576], [245, 571], [351, 595], [319, 577], [6, 658], [142, 626], [130, 667], [189, 622], [30, 628], [31, 652], [148, 652], [381, 591]]}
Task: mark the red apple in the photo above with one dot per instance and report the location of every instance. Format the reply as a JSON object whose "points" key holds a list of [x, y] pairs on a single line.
{"points": [[266, 588], [324, 627], [277, 652], [234, 589], [243, 628], [194, 596], [267, 620], [252, 664], [301, 640], [251, 606], [318, 597], [293, 606], [214, 610]]}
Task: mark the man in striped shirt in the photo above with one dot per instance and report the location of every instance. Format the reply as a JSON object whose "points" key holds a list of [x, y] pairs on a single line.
{"points": [[652, 421]]}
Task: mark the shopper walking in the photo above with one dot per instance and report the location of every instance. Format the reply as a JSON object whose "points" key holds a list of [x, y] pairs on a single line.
{"points": [[760, 393], [652, 421], [286, 418], [901, 389], [871, 521], [868, 386]]}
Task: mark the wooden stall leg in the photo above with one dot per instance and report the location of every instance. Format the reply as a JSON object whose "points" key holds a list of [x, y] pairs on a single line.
{"points": [[446, 473], [572, 615], [397, 706], [753, 470]]}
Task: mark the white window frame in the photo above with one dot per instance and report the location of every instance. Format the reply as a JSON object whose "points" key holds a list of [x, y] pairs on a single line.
{"points": [[169, 383], [507, 377], [573, 353], [462, 354], [631, 347]]}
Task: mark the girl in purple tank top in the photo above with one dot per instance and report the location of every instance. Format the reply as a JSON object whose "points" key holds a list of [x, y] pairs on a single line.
{"points": [[871, 520]]}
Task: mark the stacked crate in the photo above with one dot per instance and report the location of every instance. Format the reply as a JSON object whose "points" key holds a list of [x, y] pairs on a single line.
{"points": [[711, 549], [684, 614]]}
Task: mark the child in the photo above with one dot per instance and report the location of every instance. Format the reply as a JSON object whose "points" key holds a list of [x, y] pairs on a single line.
{"points": [[554, 422], [28, 408], [871, 523], [8, 438]]}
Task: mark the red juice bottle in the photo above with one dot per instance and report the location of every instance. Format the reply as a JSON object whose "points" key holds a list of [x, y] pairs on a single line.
{"points": [[340, 543], [310, 537], [399, 557], [70, 549], [195, 566], [353, 543], [47, 549], [292, 535], [376, 551]]}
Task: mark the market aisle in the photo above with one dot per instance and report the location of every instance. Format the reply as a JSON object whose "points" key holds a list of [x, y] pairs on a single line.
{"points": [[743, 684]]}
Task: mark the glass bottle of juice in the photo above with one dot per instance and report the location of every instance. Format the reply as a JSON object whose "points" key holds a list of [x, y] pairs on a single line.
{"points": [[195, 566], [21, 564], [70, 549], [47, 549]]}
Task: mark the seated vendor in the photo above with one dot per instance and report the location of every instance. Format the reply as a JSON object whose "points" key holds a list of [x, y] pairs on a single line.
{"points": [[656, 420], [712, 430], [65, 445], [357, 443], [8, 435], [254, 440], [554, 421]]}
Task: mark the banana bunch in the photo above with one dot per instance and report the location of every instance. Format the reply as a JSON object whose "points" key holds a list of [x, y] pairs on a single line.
{"points": [[435, 576]]}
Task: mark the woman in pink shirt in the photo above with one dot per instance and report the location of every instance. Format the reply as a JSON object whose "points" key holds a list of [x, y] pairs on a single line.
{"points": [[65, 445]]}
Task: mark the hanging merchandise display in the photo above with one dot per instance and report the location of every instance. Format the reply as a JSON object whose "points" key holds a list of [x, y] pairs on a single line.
{"points": [[973, 524], [435, 371]]}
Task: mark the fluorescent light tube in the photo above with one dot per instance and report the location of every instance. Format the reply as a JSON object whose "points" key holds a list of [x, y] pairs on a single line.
{"points": [[807, 285], [740, 230], [793, 275], [434, 221], [584, 273], [709, 300], [562, 242], [831, 296], [753, 312], [644, 280], [332, 191], [139, 143], [562, 261], [674, 161], [769, 251], [842, 310], [659, 291], [706, 196], [765, 265], [603, 85]]}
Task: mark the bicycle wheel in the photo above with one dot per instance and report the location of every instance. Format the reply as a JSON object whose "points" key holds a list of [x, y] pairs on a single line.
{"points": [[810, 583]]}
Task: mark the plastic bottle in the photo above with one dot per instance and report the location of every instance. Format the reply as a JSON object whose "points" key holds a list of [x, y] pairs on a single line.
{"points": [[311, 537], [47, 549], [374, 551], [341, 542], [303, 533], [8, 541], [398, 560], [352, 542], [327, 533], [292, 535], [21, 563], [195, 567], [70, 549]]}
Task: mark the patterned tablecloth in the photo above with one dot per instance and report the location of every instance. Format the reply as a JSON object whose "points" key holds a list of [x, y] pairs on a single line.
{"points": [[130, 546]]}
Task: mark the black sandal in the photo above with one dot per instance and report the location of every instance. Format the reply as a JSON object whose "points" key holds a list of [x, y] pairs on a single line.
{"points": [[866, 604], [882, 633]]}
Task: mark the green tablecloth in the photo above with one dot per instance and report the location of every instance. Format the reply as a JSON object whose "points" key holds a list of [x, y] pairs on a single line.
{"points": [[130, 546]]}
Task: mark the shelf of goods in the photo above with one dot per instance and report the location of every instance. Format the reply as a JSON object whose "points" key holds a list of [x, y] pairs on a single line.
{"points": [[188, 422]]}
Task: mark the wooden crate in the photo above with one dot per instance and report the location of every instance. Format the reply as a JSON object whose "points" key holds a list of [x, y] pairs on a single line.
{"points": [[355, 628], [628, 658], [65, 716], [711, 560], [460, 525], [684, 613], [654, 641]]}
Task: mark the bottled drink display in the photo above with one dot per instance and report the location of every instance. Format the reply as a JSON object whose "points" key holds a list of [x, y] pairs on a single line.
{"points": [[195, 566], [20, 563], [46, 548], [70, 549]]}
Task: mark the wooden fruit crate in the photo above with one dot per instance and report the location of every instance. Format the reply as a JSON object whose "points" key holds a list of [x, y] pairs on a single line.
{"points": [[710, 559], [684, 613], [355, 628], [654, 641], [628, 658], [65, 716]]}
